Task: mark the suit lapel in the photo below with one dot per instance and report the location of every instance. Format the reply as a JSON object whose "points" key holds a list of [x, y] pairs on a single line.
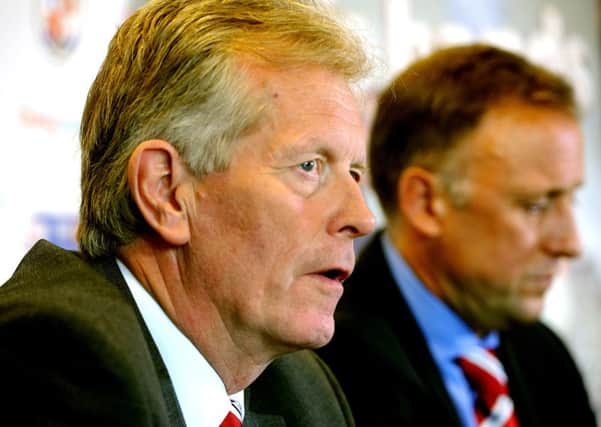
{"points": [[402, 339], [108, 268], [257, 419], [253, 419], [517, 387]]}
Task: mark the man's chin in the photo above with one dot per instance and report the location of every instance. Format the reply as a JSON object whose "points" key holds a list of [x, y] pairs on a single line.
{"points": [[318, 336], [530, 314], [307, 335]]}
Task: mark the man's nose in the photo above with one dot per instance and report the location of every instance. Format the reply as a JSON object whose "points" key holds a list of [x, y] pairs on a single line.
{"points": [[353, 216], [562, 238]]}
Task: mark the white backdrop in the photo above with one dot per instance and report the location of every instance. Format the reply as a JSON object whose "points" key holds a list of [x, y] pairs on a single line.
{"points": [[42, 93], [43, 89]]}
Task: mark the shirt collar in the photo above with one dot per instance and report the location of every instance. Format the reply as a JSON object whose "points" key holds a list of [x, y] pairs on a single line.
{"points": [[447, 335], [200, 392]]}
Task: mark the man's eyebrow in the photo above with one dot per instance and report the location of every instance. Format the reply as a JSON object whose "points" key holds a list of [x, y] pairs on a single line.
{"points": [[317, 146], [554, 193], [361, 166], [299, 147]]}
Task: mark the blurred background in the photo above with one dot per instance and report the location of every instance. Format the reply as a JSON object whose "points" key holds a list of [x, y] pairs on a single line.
{"points": [[50, 51]]}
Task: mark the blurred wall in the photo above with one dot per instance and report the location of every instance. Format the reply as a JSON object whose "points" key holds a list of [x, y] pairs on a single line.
{"points": [[50, 51]]}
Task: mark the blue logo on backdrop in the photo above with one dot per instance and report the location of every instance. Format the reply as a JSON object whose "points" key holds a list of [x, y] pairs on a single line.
{"points": [[56, 228]]}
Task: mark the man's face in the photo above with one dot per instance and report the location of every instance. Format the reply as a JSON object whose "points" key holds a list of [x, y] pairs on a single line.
{"points": [[500, 251], [274, 233]]}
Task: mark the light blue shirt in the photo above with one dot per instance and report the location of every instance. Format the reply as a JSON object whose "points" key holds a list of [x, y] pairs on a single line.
{"points": [[200, 392], [447, 335]]}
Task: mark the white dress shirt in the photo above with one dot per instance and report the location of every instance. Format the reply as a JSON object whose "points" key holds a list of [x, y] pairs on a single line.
{"points": [[200, 392]]}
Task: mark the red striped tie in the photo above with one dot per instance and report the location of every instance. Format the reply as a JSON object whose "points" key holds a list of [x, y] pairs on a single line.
{"points": [[231, 420], [233, 417], [493, 406]]}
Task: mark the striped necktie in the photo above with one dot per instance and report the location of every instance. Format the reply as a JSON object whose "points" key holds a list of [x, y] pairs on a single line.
{"points": [[234, 416], [493, 406]]}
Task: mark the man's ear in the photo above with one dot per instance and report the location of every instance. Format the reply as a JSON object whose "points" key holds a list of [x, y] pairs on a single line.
{"points": [[156, 174], [419, 200]]}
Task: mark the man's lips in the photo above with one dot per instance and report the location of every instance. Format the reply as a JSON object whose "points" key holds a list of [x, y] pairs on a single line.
{"points": [[541, 282], [336, 273], [332, 266]]}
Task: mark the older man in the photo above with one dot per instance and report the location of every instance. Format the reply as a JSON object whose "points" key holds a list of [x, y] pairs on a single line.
{"points": [[222, 152]]}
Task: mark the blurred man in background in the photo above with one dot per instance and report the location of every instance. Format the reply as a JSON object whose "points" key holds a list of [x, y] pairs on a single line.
{"points": [[222, 154], [476, 156]]}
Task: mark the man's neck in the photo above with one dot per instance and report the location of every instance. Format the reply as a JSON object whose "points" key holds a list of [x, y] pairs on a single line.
{"points": [[237, 359]]}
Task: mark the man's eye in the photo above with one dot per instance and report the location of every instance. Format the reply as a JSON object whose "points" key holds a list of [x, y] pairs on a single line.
{"points": [[309, 165], [356, 175], [536, 207]]}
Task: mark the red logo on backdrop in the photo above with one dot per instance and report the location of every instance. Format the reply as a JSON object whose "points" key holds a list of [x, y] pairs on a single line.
{"points": [[61, 24]]}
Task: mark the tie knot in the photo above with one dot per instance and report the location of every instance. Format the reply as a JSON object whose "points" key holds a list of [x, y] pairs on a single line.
{"points": [[483, 370], [234, 416]]}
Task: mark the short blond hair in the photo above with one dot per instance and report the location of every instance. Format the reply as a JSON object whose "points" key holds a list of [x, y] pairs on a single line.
{"points": [[173, 72]]}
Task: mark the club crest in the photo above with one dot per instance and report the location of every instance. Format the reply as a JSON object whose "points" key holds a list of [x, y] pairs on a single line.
{"points": [[61, 23]]}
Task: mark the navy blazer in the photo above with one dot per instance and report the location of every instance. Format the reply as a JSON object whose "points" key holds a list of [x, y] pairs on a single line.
{"points": [[383, 363], [74, 351]]}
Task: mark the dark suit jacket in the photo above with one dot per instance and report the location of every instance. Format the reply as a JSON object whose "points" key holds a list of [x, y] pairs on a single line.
{"points": [[382, 361], [74, 351]]}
